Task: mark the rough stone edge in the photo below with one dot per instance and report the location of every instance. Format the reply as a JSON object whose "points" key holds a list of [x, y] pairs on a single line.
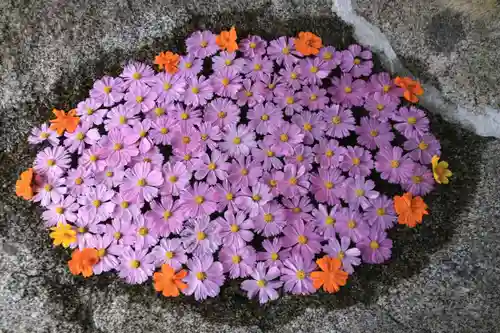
{"points": [[485, 124]]}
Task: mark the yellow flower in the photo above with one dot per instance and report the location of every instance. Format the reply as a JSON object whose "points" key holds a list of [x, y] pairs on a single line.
{"points": [[440, 170], [63, 234]]}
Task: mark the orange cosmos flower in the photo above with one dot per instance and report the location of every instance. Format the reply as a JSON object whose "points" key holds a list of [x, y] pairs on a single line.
{"points": [[169, 61], [411, 87], [82, 261], [331, 277], [410, 209], [64, 122], [308, 43], [227, 40], [24, 188], [168, 281], [440, 170]]}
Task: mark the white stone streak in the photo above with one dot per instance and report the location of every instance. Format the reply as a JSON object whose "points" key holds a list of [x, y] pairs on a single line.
{"points": [[486, 123]]}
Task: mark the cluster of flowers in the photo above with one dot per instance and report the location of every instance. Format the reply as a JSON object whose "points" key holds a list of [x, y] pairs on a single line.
{"points": [[246, 160]]}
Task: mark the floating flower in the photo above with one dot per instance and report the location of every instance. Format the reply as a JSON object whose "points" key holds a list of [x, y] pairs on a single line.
{"points": [[64, 122], [410, 209], [82, 261], [331, 277], [63, 234], [24, 186], [226, 40], [308, 43], [168, 61], [412, 88], [440, 170], [168, 281]]}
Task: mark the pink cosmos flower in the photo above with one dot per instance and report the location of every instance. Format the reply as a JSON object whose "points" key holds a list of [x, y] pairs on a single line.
{"points": [[205, 277], [256, 68], [110, 176], [331, 57], [140, 131], [210, 135], [225, 195], [288, 100], [235, 229], [42, 134], [293, 181], [244, 172], [292, 75], [198, 200], [124, 209], [382, 83], [136, 266], [189, 66], [296, 275], [170, 252], [52, 162], [339, 121], [351, 223], [372, 133], [89, 111], [50, 190], [201, 236], [239, 262], [357, 161], [198, 91], [376, 248], [421, 181], [163, 129], [347, 91], [93, 159], [381, 106], [238, 141], [107, 252], [313, 70], [348, 256], [274, 253], [263, 283], [423, 148], [264, 118], [187, 116], [146, 234], [312, 126], [356, 61], [282, 51], [328, 153], [141, 182], [381, 213], [78, 180], [325, 221], [123, 232], [166, 215], [227, 60], [271, 83], [302, 156], [267, 156], [222, 112], [120, 117], [284, 138], [411, 122], [187, 157], [393, 165], [96, 204], [137, 74], [298, 208], [86, 232], [107, 90], [226, 82], [152, 156], [63, 211], [271, 219], [119, 148], [186, 138], [253, 46], [327, 186], [250, 94], [168, 87], [213, 167], [201, 44], [176, 178], [359, 192], [252, 200], [302, 238]]}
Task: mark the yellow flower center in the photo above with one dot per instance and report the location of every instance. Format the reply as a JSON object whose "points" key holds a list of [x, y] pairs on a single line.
{"points": [[79, 181], [264, 117], [293, 76], [374, 245], [167, 214], [184, 116], [51, 163], [80, 136], [416, 179], [359, 192], [101, 253], [82, 230], [139, 99], [293, 181], [336, 120], [248, 93], [300, 158], [308, 127], [357, 61], [163, 130], [313, 97], [212, 166], [351, 224], [141, 182], [268, 217], [329, 153], [169, 254], [93, 158], [412, 120], [44, 135], [201, 276], [285, 50], [199, 199], [90, 111], [329, 185], [423, 146], [301, 275], [394, 164], [261, 283], [257, 67], [302, 239], [253, 45], [273, 183], [143, 231], [135, 264], [117, 235], [237, 140], [270, 153], [284, 137], [195, 90], [186, 139], [235, 228], [380, 211], [187, 157], [229, 196], [329, 220], [59, 210], [374, 133], [124, 204], [221, 114], [203, 43], [341, 255], [109, 173], [136, 76], [244, 171], [386, 88], [271, 86], [122, 120], [47, 188], [274, 256], [188, 64], [327, 55], [201, 235], [167, 86], [146, 159], [348, 90], [107, 89], [355, 161], [143, 134], [227, 62], [296, 210], [236, 259], [117, 146], [289, 100], [225, 81], [314, 69], [256, 197], [173, 179], [96, 203], [204, 137], [380, 107]]}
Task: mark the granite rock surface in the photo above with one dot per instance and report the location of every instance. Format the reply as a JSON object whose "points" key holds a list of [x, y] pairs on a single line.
{"points": [[443, 276]]}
